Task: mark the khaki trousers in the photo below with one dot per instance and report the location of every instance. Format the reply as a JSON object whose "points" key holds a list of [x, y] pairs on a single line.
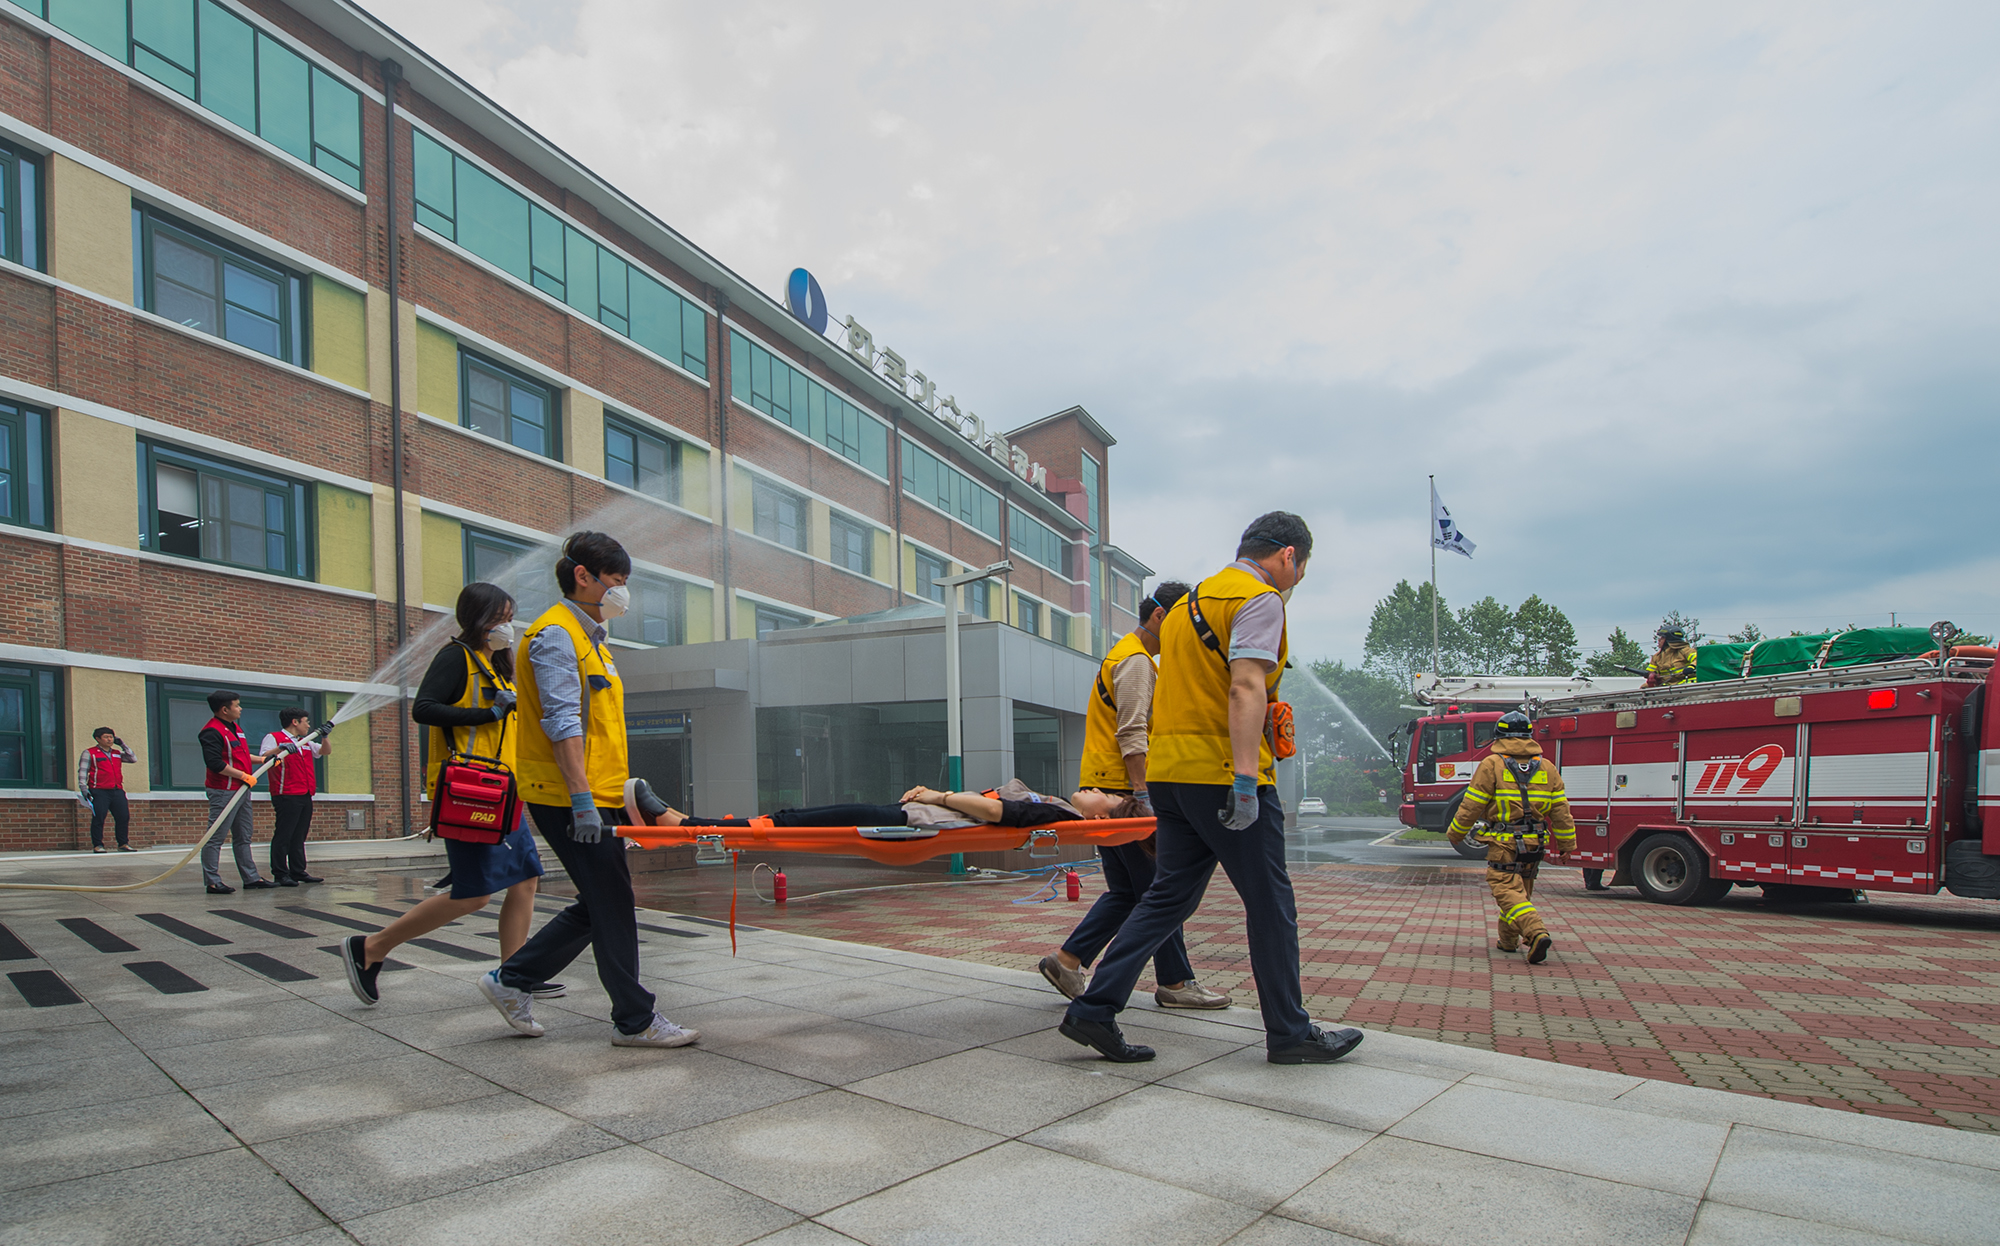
{"points": [[1514, 894]]}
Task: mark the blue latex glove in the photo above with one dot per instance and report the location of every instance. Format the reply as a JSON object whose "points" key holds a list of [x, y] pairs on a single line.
{"points": [[586, 824], [1241, 810], [1145, 802], [503, 704]]}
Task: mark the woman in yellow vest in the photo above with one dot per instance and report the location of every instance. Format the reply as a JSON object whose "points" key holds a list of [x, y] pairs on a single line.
{"points": [[1222, 654], [1114, 760], [571, 762], [467, 700]]}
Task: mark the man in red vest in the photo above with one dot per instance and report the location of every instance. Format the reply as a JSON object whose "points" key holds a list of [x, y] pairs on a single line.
{"points": [[100, 780], [226, 752], [293, 783]]}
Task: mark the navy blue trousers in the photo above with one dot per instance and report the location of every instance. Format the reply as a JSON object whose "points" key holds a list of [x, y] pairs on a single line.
{"points": [[601, 918], [1192, 842], [1128, 871]]}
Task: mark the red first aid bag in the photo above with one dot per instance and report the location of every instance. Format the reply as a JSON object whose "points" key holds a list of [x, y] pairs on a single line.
{"points": [[476, 800]]}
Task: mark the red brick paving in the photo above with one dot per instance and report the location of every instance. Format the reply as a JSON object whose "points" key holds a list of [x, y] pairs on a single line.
{"points": [[1890, 1008]]}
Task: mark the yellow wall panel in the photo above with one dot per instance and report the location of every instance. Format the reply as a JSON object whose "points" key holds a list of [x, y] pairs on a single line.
{"points": [[348, 769], [885, 571], [97, 479], [583, 431], [742, 509], [114, 699], [346, 552], [819, 529], [700, 614], [694, 480], [339, 333], [90, 230], [444, 560], [437, 372]]}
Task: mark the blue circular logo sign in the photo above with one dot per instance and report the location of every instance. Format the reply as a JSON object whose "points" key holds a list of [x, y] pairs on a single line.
{"points": [[804, 299]]}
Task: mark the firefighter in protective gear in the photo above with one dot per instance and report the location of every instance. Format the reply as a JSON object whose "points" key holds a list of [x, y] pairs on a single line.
{"points": [[1519, 796], [1674, 663]]}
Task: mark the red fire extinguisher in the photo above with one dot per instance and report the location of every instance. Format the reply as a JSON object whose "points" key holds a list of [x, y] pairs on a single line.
{"points": [[778, 890], [1073, 883]]}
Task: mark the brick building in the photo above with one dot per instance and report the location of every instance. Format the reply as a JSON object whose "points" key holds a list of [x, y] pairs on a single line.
{"points": [[226, 424]]}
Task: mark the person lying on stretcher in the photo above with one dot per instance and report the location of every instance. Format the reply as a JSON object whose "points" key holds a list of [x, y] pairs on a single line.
{"points": [[1013, 804]]}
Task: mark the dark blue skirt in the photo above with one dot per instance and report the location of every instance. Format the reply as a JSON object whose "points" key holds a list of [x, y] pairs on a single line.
{"points": [[488, 869]]}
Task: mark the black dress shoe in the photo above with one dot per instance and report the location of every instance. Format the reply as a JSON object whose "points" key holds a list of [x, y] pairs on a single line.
{"points": [[285, 880], [260, 884], [1321, 1048], [1107, 1038], [307, 878], [126, 848], [221, 889]]}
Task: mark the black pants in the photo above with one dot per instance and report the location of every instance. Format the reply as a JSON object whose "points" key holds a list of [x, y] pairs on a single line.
{"points": [[1191, 841], [601, 918], [292, 817], [109, 800], [1128, 872], [819, 815]]}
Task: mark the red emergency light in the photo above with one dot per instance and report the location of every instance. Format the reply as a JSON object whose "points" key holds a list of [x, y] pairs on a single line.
{"points": [[1882, 699], [1565, 725]]}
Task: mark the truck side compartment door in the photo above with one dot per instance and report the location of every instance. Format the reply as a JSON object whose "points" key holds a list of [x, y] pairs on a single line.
{"points": [[1586, 773], [1746, 780], [1868, 806]]}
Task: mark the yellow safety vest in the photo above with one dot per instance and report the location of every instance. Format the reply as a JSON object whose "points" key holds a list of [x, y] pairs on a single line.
{"points": [[1103, 764], [1189, 736], [481, 739], [605, 765]]}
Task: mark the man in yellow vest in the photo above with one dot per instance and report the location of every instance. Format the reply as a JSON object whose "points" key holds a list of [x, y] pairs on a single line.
{"points": [[1114, 761], [570, 762], [1222, 653]]}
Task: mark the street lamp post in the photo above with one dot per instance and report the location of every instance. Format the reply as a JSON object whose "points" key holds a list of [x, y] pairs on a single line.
{"points": [[954, 760]]}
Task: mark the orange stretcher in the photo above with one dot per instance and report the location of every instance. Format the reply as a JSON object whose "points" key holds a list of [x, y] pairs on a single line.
{"points": [[898, 845]]}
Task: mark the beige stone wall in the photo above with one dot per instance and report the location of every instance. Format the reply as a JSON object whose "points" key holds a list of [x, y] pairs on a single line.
{"points": [[97, 479], [90, 230], [114, 699]]}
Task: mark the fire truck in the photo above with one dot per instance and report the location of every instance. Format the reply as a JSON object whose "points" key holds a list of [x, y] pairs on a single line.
{"points": [[1877, 776], [1442, 748]]}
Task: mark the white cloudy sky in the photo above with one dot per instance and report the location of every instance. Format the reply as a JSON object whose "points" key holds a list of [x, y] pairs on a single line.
{"points": [[1687, 306]]}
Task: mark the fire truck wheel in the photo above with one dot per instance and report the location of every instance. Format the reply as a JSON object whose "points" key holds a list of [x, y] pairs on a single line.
{"points": [[1669, 869]]}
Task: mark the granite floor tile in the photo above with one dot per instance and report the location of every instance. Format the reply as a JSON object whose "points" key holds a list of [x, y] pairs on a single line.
{"points": [[107, 1138], [354, 1170], [475, 1021], [1278, 1231], [223, 1199], [346, 1094], [626, 1196], [1173, 1053], [1855, 1187], [1719, 1224], [252, 1057], [1355, 1095], [1005, 1195], [816, 1153], [854, 997], [89, 1039], [1415, 1194], [968, 1021], [993, 1090], [67, 1085], [1227, 1150], [841, 1052]]}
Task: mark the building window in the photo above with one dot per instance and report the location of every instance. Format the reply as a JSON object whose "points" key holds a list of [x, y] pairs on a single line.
{"points": [[1036, 541], [464, 203], [1059, 625], [642, 461], [506, 406], [1028, 614], [930, 567], [929, 478], [176, 713], [196, 507], [979, 598], [826, 754], [771, 620], [31, 728], [228, 66], [196, 281], [1125, 594], [20, 207], [24, 466], [502, 560], [769, 384], [777, 514], [658, 615], [853, 544]]}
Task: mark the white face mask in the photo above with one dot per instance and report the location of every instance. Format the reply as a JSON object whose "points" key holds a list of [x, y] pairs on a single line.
{"points": [[1285, 595], [616, 602], [500, 636]]}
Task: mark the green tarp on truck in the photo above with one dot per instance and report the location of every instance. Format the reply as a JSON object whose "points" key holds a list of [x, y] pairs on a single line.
{"points": [[1782, 655]]}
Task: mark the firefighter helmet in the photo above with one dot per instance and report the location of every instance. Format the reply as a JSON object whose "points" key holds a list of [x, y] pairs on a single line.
{"points": [[1673, 635], [1513, 725]]}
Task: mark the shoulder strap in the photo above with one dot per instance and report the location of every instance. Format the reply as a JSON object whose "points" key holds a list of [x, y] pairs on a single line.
{"points": [[1201, 627], [493, 682], [1523, 772]]}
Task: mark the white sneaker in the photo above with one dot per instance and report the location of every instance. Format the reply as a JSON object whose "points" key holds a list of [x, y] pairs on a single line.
{"points": [[517, 1007], [661, 1033]]}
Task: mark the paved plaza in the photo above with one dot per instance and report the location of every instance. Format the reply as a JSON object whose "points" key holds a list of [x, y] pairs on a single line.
{"points": [[186, 1068], [1891, 1008]]}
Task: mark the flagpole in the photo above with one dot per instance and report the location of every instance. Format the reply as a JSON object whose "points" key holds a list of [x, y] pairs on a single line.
{"points": [[1437, 667]]}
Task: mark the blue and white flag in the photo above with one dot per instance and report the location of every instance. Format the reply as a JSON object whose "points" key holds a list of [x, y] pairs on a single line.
{"points": [[1444, 532]]}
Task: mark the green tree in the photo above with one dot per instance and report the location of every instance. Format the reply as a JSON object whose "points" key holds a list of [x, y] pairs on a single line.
{"points": [[1544, 638], [1624, 651], [1341, 768], [1399, 635], [1750, 635], [1490, 638], [1692, 627]]}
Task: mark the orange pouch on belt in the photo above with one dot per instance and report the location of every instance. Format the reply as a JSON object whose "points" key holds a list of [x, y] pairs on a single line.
{"points": [[1278, 730]]}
